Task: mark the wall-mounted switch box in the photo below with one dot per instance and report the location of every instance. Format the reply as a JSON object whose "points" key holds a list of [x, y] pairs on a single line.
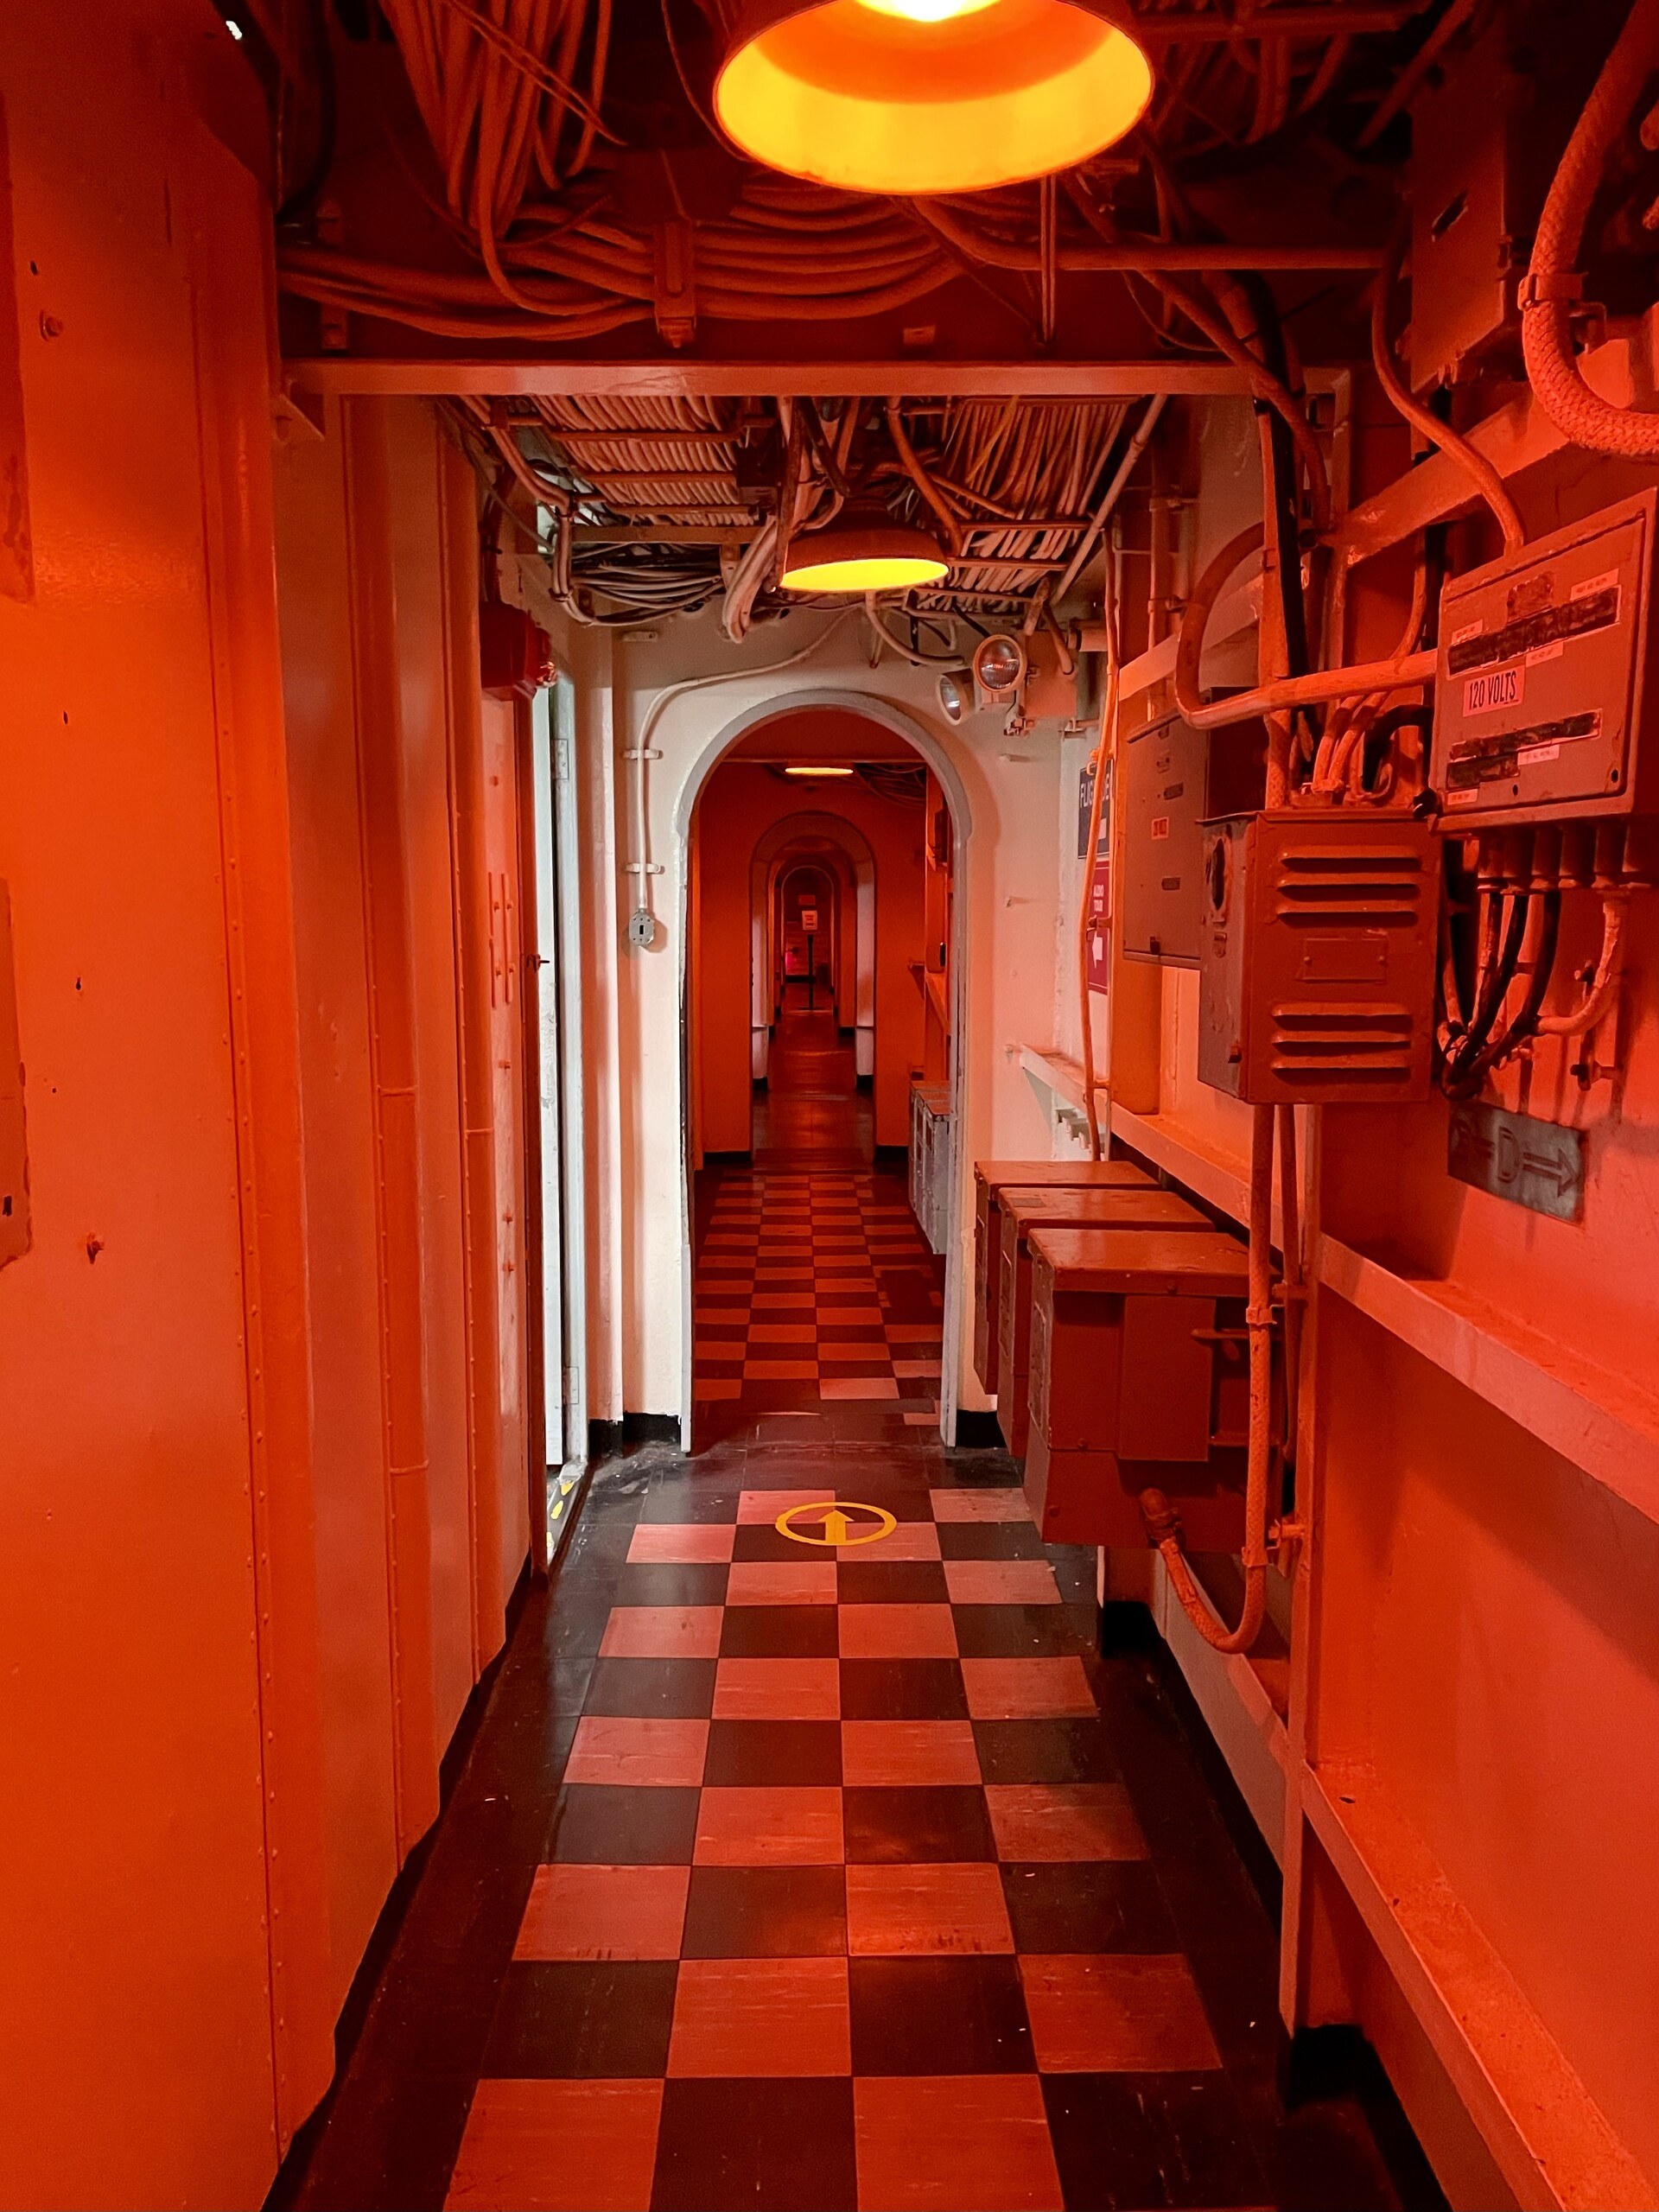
{"points": [[1545, 677], [1316, 983], [1174, 777]]}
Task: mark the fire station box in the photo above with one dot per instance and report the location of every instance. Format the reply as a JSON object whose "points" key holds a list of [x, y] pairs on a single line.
{"points": [[1140, 1379], [990, 1176], [1024, 1211]]}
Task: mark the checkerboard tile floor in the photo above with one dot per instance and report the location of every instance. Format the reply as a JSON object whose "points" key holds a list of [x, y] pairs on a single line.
{"points": [[814, 1288], [844, 1901]]}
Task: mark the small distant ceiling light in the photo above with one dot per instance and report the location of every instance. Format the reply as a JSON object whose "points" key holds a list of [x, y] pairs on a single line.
{"points": [[865, 550], [816, 768], [955, 689], [926, 96], [1000, 665], [235, 29]]}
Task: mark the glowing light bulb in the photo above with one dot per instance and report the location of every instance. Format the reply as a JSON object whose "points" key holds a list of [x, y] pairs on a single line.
{"points": [[927, 11]]}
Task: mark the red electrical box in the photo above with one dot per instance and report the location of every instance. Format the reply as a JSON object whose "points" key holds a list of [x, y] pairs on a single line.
{"points": [[1140, 1379], [1317, 956], [1023, 1212], [515, 654], [991, 1178]]}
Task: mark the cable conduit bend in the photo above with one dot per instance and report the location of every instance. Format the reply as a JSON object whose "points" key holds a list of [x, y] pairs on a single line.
{"points": [[1162, 1520], [1475, 466], [1550, 286]]}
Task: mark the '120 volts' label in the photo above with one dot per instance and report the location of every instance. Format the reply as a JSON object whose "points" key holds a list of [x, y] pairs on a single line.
{"points": [[1495, 688]]}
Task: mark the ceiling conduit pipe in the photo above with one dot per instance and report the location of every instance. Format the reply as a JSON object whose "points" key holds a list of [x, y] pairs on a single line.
{"points": [[1550, 286]]}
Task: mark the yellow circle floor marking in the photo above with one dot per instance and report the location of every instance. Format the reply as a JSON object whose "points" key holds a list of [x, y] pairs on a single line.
{"points": [[837, 1528]]}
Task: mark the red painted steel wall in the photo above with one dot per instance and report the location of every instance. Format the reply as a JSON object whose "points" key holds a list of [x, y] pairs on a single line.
{"points": [[264, 1492]]}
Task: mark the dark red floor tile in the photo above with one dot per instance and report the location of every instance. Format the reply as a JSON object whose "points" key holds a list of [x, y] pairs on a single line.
{"points": [[778, 1689], [1000, 1503], [1045, 1750], [1027, 1689], [757, 1754], [938, 2016], [765, 2145], [606, 2021], [782, 1582], [908, 1754], [960, 2143], [681, 1543], [662, 1632], [760, 1508], [893, 1582], [638, 1750], [1098, 1905], [921, 1825], [1128, 2013], [1153, 2140], [897, 1632], [605, 1912], [748, 2018], [753, 1912], [926, 1912], [1014, 1632], [612, 1827], [1002, 1582], [902, 1689], [778, 1632], [769, 1827], [1046, 1822], [558, 2146]]}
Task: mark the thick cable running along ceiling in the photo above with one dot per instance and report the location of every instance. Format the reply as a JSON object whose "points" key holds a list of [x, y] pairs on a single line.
{"points": [[565, 152], [659, 504]]}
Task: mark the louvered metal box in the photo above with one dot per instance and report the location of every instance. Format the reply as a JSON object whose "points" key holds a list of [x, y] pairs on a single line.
{"points": [[1316, 980]]}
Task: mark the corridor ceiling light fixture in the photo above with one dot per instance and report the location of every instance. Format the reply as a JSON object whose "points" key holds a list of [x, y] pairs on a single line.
{"points": [[927, 96], [818, 768], [864, 550]]}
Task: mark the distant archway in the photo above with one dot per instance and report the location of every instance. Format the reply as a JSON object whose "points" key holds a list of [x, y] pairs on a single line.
{"points": [[887, 714]]}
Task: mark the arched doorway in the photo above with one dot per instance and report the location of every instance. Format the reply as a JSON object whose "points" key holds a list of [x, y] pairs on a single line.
{"points": [[819, 1305]]}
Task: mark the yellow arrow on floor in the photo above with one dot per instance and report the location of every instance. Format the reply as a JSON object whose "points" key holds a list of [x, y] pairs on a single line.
{"points": [[839, 1528]]}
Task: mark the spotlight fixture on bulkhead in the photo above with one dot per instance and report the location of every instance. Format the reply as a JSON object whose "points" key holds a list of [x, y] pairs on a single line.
{"points": [[956, 693], [864, 549], [1000, 665], [926, 96]]}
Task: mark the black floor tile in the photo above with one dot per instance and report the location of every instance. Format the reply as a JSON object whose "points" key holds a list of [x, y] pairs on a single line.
{"points": [[778, 1632], [930, 1826], [938, 2016], [903, 1582], [1045, 1750], [753, 1912], [989, 1540], [652, 1689], [597, 1825], [902, 1689], [1094, 1905], [693, 1496], [769, 1754], [697, 1583], [1131, 2140], [604, 2020], [761, 1540], [1015, 1632], [765, 2146]]}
